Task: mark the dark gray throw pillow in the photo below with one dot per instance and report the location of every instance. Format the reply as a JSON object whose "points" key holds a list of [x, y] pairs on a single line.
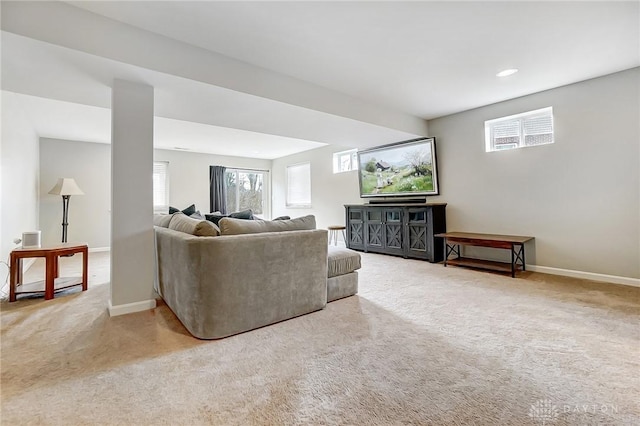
{"points": [[188, 211], [282, 218], [215, 218], [244, 214]]}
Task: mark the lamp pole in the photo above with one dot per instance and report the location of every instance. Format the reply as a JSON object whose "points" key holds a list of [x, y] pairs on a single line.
{"points": [[65, 187], [65, 214]]}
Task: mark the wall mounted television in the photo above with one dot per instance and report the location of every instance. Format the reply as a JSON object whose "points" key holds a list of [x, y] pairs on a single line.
{"points": [[403, 169]]}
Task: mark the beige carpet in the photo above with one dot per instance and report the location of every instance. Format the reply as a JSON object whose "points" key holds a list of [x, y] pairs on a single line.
{"points": [[420, 344]]}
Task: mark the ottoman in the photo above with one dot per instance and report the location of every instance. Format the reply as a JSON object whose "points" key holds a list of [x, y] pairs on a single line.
{"points": [[342, 277]]}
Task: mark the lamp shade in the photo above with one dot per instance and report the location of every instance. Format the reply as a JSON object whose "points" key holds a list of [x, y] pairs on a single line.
{"points": [[66, 186]]}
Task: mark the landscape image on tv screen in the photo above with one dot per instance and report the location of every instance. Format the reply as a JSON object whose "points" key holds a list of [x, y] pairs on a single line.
{"points": [[407, 168]]}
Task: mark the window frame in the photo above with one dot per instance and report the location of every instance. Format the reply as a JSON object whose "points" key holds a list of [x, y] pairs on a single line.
{"points": [[294, 204], [521, 119], [353, 161], [266, 187], [161, 208]]}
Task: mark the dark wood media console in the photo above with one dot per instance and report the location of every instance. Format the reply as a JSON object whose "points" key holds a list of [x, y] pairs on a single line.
{"points": [[406, 230]]}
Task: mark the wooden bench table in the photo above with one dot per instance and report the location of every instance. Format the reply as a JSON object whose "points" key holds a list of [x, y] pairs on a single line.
{"points": [[52, 281], [513, 243]]}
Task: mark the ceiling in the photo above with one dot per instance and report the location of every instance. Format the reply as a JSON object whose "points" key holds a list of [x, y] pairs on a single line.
{"points": [[71, 121], [419, 59], [428, 59]]}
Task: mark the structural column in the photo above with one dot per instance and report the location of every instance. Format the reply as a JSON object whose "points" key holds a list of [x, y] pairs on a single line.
{"points": [[132, 240]]}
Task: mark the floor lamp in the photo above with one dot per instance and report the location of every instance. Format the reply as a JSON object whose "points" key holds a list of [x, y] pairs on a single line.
{"points": [[65, 187]]}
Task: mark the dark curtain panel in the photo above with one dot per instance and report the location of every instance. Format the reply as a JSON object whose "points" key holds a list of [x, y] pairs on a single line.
{"points": [[217, 189]]}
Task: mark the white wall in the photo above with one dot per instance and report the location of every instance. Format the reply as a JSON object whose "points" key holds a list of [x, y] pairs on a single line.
{"points": [[329, 191], [189, 175], [90, 165], [89, 214], [19, 169], [579, 197]]}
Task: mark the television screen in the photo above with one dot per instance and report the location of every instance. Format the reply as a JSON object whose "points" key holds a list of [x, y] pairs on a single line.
{"points": [[401, 169]]}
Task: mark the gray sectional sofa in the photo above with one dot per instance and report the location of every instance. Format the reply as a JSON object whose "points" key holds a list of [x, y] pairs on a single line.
{"points": [[244, 274]]}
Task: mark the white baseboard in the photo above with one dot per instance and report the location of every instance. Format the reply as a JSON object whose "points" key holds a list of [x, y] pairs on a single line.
{"points": [[129, 308], [634, 282], [99, 249]]}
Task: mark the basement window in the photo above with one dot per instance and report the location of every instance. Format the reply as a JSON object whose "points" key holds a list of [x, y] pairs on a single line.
{"points": [[345, 161], [520, 130], [160, 187]]}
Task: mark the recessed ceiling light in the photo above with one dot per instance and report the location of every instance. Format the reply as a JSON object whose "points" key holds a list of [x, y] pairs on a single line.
{"points": [[505, 73]]}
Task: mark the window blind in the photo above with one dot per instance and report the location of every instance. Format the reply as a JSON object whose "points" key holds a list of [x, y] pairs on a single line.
{"points": [[520, 130], [299, 185], [160, 187]]}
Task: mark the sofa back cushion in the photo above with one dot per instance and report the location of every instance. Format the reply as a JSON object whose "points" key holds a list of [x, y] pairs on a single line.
{"points": [[231, 226], [199, 228], [162, 220]]}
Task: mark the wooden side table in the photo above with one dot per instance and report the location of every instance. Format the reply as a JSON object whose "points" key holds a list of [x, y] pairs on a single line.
{"points": [[52, 281], [333, 233]]}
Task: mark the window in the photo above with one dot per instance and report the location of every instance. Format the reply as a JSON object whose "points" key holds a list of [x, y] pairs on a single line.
{"points": [[518, 131], [299, 185], [345, 161], [160, 187], [247, 189]]}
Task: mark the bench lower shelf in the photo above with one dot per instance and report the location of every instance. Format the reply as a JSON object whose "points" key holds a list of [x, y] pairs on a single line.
{"points": [[482, 264], [39, 286]]}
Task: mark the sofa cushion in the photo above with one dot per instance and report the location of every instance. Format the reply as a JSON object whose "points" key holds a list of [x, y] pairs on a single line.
{"points": [[161, 220], [231, 226], [342, 286], [342, 261], [188, 211], [200, 228]]}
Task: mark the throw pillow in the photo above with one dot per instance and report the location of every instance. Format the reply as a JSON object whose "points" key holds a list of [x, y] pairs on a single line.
{"points": [[197, 215], [231, 226], [244, 214], [215, 217], [199, 228], [282, 218], [188, 211]]}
